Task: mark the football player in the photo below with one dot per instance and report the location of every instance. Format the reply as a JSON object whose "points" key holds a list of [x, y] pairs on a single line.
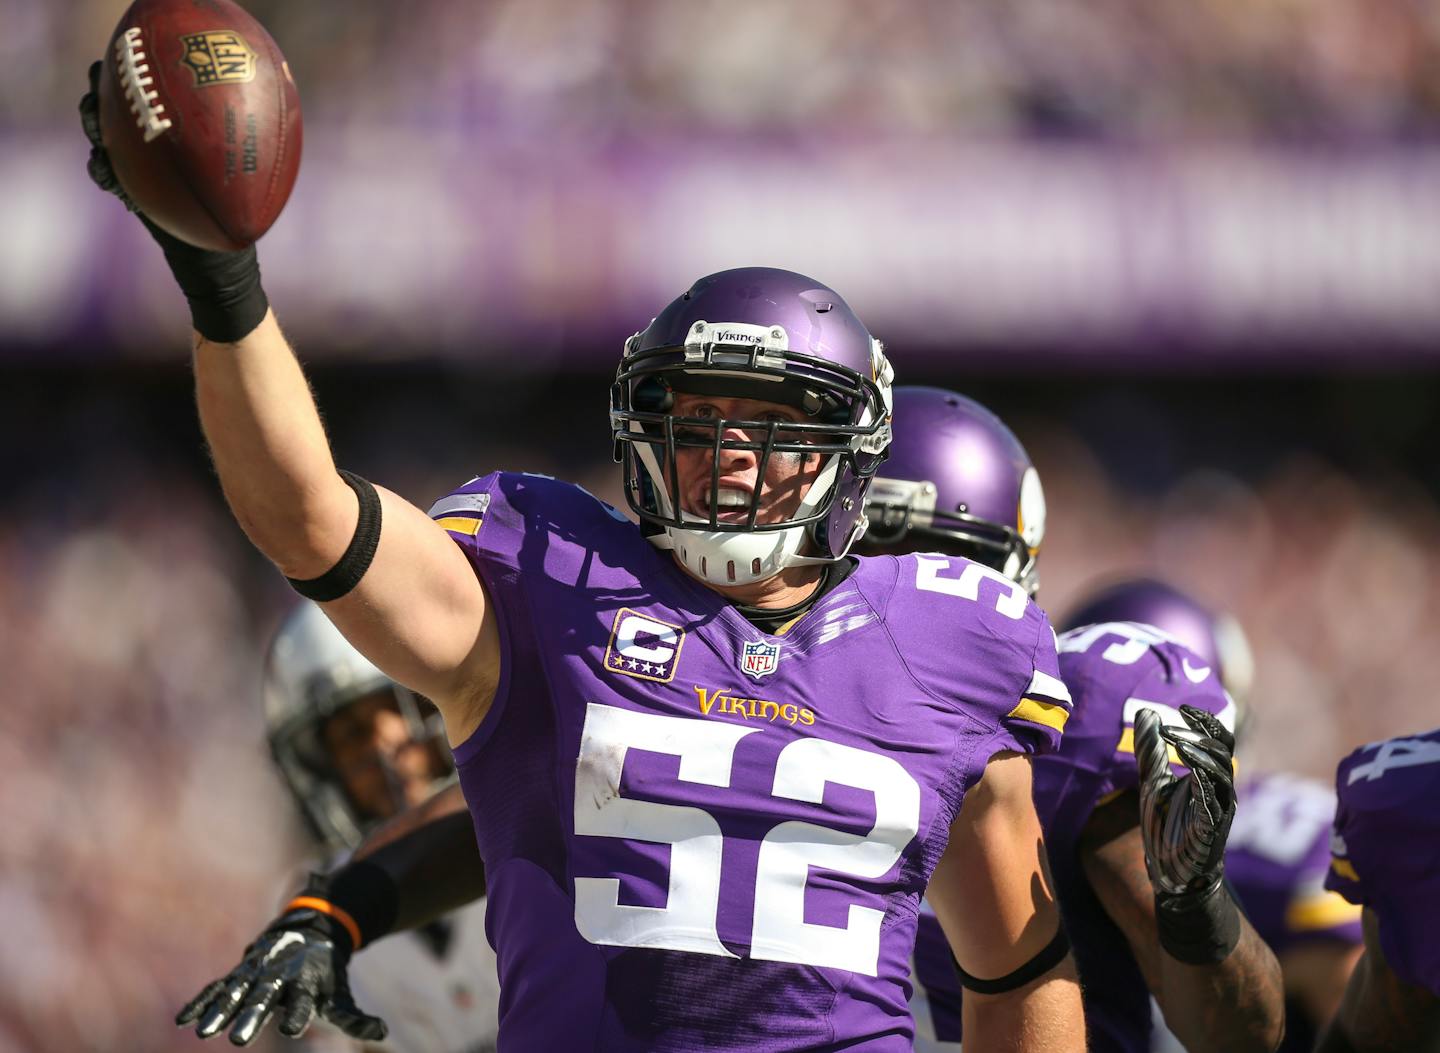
{"points": [[1386, 845], [1136, 853], [712, 760], [356, 749], [1278, 851]]}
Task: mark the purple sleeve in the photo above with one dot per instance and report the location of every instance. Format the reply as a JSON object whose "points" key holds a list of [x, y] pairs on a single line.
{"points": [[1386, 848], [1040, 714], [482, 519]]}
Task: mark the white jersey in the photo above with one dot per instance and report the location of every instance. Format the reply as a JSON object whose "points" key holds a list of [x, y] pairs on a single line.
{"points": [[437, 995]]}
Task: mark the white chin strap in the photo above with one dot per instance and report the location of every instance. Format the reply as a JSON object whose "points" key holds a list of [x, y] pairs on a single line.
{"points": [[721, 557]]}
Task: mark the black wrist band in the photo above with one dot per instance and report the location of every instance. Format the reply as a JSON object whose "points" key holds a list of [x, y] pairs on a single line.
{"points": [[346, 574], [1198, 930], [1050, 956], [365, 891], [222, 288]]}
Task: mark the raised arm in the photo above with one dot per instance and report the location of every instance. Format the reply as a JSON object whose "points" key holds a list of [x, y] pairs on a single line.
{"points": [[1155, 860], [418, 611], [1235, 1003], [992, 893], [410, 603]]}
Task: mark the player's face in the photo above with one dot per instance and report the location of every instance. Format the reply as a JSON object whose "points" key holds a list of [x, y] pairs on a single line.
{"points": [[380, 766], [787, 475]]}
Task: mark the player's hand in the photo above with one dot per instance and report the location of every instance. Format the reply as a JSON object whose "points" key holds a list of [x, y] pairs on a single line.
{"points": [[101, 173], [1184, 822], [295, 969]]}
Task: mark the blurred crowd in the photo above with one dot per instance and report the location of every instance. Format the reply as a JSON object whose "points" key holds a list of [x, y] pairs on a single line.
{"points": [[1125, 69], [146, 836]]}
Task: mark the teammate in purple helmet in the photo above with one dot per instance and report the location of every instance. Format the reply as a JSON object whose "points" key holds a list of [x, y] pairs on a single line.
{"points": [[1278, 851], [712, 761], [958, 481], [1386, 846]]}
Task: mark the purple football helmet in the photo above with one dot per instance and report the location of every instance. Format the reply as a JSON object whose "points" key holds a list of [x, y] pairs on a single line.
{"points": [[755, 333], [957, 479], [1217, 638]]}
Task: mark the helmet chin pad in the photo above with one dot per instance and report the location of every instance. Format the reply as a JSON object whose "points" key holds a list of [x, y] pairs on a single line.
{"points": [[744, 557], [733, 559]]}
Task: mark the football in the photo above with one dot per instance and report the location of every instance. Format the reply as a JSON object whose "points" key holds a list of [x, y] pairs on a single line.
{"points": [[201, 119]]}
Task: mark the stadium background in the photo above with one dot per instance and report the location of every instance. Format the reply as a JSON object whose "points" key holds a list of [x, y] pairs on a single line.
{"points": [[1189, 251]]}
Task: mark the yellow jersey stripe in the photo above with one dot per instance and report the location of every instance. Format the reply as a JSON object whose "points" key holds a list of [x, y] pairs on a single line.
{"points": [[1344, 868], [1037, 712], [461, 525], [1324, 911]]}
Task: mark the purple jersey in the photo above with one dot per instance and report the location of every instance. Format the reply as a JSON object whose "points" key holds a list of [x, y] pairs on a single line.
{"points": [[1277, 856], [1112, 671], [701, 835], [1386, 847]]}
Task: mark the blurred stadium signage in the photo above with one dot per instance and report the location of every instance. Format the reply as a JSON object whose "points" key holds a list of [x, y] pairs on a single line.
{"points": [[400, 244]]}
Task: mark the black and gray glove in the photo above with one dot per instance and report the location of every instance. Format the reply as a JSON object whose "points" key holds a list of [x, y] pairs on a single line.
{"points": [[223, 288], [296, 968], [1184, 822]]}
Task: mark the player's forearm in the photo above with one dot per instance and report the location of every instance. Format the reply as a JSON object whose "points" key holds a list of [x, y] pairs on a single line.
{"points": [[1233, 1006], [430, 854], [1044, 1015], [270, 451], [436, 869], [1380, 1013]]}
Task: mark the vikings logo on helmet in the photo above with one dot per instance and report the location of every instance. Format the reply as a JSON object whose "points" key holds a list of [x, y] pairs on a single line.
{"points": [[769, 335]]}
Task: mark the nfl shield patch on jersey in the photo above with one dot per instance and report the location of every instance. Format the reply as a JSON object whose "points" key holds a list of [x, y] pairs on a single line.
{"points": [[759, 658]]}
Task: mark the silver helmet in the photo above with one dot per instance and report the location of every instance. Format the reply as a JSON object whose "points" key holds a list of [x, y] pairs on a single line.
{"points": [[311, 674]]}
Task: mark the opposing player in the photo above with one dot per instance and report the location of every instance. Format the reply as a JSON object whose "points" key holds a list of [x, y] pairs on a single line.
{"points": [[712, 762], [355, 749], [1136, 854], [1386, 846]]}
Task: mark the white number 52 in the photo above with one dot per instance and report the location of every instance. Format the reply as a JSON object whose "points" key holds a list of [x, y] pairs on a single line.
{"points": [[688, 921]]}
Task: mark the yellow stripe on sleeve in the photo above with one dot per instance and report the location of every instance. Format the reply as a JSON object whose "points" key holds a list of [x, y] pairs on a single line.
{"points": [[1344, 868], [461, 524], [1037, 712], [1325, 911]]}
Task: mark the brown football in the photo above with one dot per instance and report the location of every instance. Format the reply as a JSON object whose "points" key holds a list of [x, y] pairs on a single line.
{"points": [[201, 119]]}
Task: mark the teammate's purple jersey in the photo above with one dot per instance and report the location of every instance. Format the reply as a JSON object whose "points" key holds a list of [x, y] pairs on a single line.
{"points": [[1386, 847], [700, 835], [1112, 671], [1276, 858]]}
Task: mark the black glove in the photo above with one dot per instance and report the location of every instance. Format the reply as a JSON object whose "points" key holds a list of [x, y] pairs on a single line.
{"points": [[1184, 822], [222, 288], [295, 968]]}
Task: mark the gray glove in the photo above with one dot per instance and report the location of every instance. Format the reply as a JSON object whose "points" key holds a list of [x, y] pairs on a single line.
{"points": [[1184, 822]]}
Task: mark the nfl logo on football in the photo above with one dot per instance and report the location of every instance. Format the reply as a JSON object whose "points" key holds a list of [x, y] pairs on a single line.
{"points": [[759, 659]]}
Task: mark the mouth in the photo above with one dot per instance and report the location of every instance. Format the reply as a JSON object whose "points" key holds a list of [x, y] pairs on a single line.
{"points": [[730, 504]]}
